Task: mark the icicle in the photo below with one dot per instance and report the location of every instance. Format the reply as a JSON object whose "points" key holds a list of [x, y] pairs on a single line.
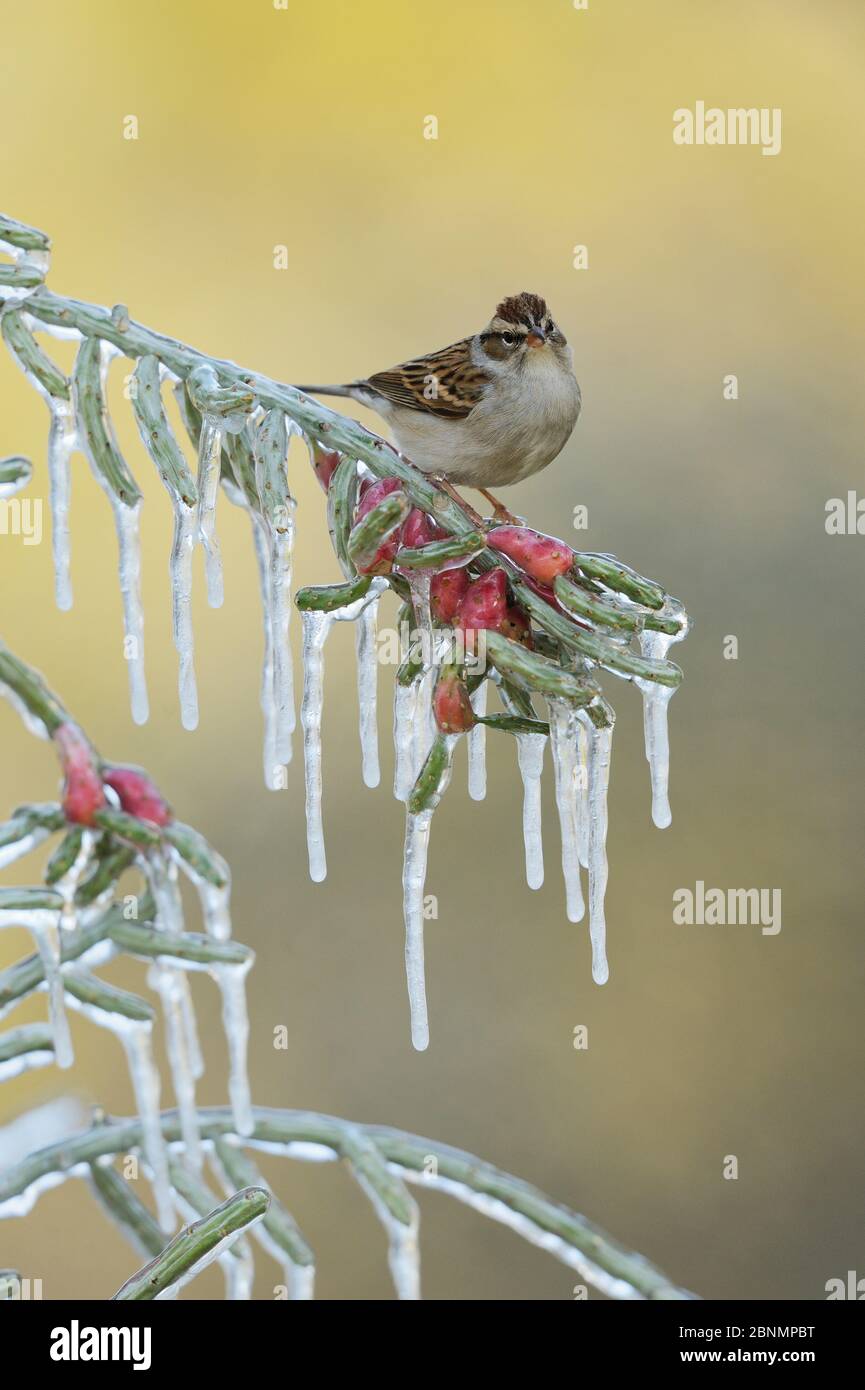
{"points": [[299, 1281], [656, 700], [281, 543], [126, 519], [239, 1270], [209, 459], [600, 748], [530, 756], [145, 1083], [477, 742], [165, 979], [67, 885], [367, 691], [267, 693], [417, 828], [405, 698], [44, 927], [214, 901], [215, 909], [423, 723], [231, 980], [403, 1251], [563, 747], [417, 831], [180, 569], [62, 443], [161, 874], [170, 983], [584, 730], [316, 627]]}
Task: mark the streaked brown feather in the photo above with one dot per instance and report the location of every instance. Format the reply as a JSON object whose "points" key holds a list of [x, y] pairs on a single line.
{"points": [[525, 308], [445, 383]]}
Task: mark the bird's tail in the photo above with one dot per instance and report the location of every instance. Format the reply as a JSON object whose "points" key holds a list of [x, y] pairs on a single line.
{"points": [[348, 389]]}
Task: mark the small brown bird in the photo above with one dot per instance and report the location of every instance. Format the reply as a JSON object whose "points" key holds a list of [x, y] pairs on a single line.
{"points": [[487, 411]]}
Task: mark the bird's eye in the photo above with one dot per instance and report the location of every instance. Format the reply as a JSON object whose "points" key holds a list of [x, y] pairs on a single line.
{"points": [[508, 339]]}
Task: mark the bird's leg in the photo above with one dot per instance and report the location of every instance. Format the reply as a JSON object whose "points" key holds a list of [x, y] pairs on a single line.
{"points": [[500, 511], [474, 517]]}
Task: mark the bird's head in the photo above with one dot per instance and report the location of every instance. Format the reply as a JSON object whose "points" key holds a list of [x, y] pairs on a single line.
{"points": [[522, 330]]}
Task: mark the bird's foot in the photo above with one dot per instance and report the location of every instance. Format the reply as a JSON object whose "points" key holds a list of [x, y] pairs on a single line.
{"points": [[474, 517], [501, 515]]}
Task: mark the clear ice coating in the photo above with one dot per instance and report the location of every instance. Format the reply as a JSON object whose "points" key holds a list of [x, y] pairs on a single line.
{"points": [[600, 747], [281, 543], [172, 986], [656, 700], [417, 829], [496, 1210], [209, 462], [417, 832], [62, 444], [231, 980], [168, 982], [126, 520], [423, 724], [68, 884], [215, 900], [405, 702], [565, 750], [180, 571], [44, 927], [136, 1038], [16, 849], [316, 627], [584, 730], [530, 756], [403, 1250], [367, 692], [267, 695], [477, 746]]}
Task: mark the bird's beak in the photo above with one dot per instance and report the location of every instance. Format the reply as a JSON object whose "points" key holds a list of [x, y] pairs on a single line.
{"points": [[535, 339]]}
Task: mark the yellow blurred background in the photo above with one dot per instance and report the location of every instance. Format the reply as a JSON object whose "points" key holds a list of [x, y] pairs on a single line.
{"points": [[303, 127]]}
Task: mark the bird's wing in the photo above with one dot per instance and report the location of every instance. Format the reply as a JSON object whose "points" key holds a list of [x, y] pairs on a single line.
{"points": [[445, 383]]}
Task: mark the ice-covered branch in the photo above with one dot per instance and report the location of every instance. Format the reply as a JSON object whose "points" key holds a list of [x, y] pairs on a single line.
{"points": [[113, 818], [195, 1247], [384, 1160], [486, 608]]}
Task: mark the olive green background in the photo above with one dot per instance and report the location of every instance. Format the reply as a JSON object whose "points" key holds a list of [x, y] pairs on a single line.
{"points": [[304, 128]]}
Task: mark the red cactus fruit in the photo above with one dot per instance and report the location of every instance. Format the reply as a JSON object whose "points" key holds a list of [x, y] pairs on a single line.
{"points": [[83, 793], [516, 625], [418, 530], [446, 592], [325, 463], [138, 794], [542, 557], [485, 603], [370, 496], [451, 704]]}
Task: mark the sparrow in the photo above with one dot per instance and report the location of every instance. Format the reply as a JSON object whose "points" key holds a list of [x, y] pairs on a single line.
{"points": [[486, 411]]}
